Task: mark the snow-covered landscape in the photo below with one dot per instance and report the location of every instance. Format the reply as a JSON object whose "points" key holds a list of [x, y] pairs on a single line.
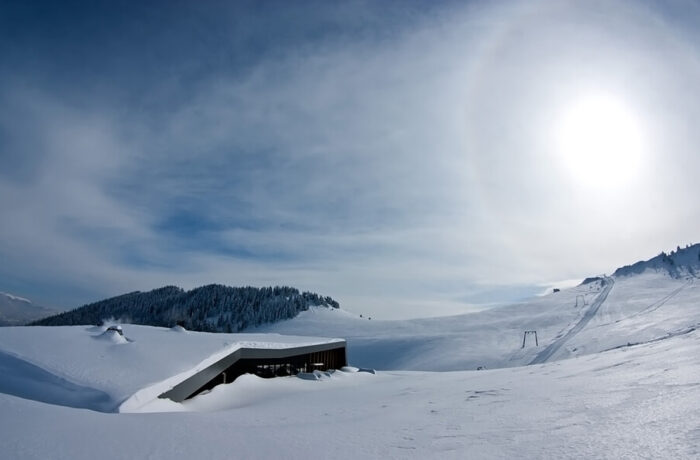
{"points": [[389, 229], [615, 374]]}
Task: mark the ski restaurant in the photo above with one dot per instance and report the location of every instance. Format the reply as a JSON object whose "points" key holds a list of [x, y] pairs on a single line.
{"points": [[263, 361]]}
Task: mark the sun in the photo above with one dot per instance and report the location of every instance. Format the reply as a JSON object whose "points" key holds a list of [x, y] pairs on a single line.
{"points": [[599, 140]]}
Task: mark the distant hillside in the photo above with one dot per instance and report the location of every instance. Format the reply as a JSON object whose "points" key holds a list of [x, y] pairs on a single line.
{"points": [[678, 264], [212, 308], [17, 311]]}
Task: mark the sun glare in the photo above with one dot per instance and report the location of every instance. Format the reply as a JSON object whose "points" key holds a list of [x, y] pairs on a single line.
{"points": [[600, 141]]}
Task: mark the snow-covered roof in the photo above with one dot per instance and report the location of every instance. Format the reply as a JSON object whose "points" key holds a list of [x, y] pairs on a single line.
{"points": [[133, 369]]}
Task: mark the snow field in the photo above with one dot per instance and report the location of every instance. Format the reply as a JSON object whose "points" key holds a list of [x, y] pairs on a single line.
{"points": [[640, 398], [619, 404]]}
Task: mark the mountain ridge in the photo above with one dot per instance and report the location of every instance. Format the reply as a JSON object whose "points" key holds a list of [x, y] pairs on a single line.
{"points": [[679, 263], [17, 311]]}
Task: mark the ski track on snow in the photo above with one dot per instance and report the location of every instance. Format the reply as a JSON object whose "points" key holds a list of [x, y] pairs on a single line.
{"points": [[553, 347], [660, 303]]}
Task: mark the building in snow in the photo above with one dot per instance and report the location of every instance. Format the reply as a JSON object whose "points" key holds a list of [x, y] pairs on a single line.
{"points": [[141, 368], [264, 362]]}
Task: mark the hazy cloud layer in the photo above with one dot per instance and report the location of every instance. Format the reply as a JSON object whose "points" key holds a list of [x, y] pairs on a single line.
{"points": [[397, 158]]}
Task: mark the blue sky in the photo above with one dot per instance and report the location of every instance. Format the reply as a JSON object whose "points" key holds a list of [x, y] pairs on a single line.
{"points": [[401, 157]]}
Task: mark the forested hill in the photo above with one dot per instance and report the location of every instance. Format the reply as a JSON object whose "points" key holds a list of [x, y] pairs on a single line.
{"points": [[212, 308]]}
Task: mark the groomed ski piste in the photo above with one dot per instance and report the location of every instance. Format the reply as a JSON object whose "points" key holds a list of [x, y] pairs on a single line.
{"points": [[616, 376]]}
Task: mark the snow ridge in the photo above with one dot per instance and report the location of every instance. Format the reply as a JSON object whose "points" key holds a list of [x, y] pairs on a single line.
{"points": [[15, 298], [680, 263]]}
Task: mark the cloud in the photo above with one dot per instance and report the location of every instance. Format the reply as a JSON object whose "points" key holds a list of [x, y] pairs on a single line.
{"points": [[401, 172]]}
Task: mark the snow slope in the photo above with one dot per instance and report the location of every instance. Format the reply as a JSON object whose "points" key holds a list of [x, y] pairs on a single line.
{"points": [[639, 401], [490, 338], [640, 309], [636, 309]]}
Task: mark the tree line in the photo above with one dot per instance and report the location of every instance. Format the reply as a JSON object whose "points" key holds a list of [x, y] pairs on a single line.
{"points": [[212, 308]]}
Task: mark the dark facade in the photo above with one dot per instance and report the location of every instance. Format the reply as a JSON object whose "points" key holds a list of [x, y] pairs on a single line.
{"points": [[263, 362]]}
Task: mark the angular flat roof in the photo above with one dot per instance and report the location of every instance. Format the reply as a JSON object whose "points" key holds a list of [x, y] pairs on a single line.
{"points": [[133, 369]]}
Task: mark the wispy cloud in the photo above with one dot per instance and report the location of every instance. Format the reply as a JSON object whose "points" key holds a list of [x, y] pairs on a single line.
{"points": [[398, 162]]}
